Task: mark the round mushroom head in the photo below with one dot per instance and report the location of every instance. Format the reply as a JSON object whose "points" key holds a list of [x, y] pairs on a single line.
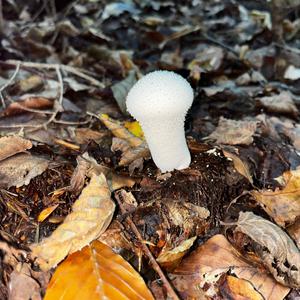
{"points": [[160, 94]]}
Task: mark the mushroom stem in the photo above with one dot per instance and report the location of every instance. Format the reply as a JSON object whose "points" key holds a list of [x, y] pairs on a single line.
{"points": [[167, 144]]}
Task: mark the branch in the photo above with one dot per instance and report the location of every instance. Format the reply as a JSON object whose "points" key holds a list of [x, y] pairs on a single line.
{"points": [[146, 250], [76, 71]]}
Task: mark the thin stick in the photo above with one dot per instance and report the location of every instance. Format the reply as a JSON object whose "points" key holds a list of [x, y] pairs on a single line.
{"points": [[147, 252], [57, 107], [10, 80], [1, 18], [58, 103], [76, 71]]}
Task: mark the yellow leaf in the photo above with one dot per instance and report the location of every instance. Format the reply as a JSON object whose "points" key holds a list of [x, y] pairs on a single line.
{"points": [[282, 205], [134, 128], [137, 147], [120, 131], [45, 213], [96, 272], [91, 215]]}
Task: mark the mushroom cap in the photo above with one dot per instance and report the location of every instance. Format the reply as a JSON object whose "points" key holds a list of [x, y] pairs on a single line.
{"points": [[160, 94]]}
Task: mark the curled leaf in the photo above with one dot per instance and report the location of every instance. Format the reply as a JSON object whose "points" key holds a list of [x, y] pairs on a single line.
{"points": [[275, 248], [91, 215]]}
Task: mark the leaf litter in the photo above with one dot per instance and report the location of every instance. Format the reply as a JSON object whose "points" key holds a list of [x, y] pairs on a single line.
{"points": [[63, 123]]}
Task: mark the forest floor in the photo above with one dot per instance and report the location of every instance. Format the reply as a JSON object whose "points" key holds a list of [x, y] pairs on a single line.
{"points": [[86, 214]]}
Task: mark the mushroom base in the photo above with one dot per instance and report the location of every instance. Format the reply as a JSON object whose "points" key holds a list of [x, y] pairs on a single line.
{"points": [[167, 144]]}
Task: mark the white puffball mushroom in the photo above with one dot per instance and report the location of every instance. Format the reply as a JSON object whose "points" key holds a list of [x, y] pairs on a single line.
{"points": [[160, 101]]}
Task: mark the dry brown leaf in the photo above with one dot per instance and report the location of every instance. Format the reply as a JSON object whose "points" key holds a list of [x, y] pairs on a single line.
{"points": [[16, 108], [78, 176], [294, 232], [169, 259], [19, 169], [282, 103], [119, 145], [233, 132], [22, 286], [114, 180], [239, 165], [96, 272], [91, 215], [133, 154], [282, 205], [10, 145], [239, 289], [275, 248], [115, 237], [205, 266], [85, 135]]}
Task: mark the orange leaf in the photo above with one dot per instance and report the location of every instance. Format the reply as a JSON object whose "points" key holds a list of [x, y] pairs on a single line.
{"points": [[96, 272], [236, 288]]}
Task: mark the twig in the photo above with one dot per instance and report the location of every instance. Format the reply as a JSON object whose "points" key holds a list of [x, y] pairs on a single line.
{"points": [[76, 71], [10, 80], [287, 48], [72, 122], [57, 104], [57, 107], [1, 18], [146, 250], [219, 43]]}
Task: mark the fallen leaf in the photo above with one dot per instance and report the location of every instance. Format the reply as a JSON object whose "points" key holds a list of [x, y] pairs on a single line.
{"points": [[120, 131], [292, 73], [66, 144], [275, 248], [203, 268], [22, 286], [294, 232], [169, 259], [134, 128], [19, 169], [19, 107], [233, 132], [91, 215], [208, 60], [45, 213], [282, 205], [75, 85], [115, 238], [236, 288], [96, 272], [281, 103], [121, 89], [239, 165], [78, 177], [10, 145], [28, 84], [114, 180], [133, 147], [85, 135]]}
